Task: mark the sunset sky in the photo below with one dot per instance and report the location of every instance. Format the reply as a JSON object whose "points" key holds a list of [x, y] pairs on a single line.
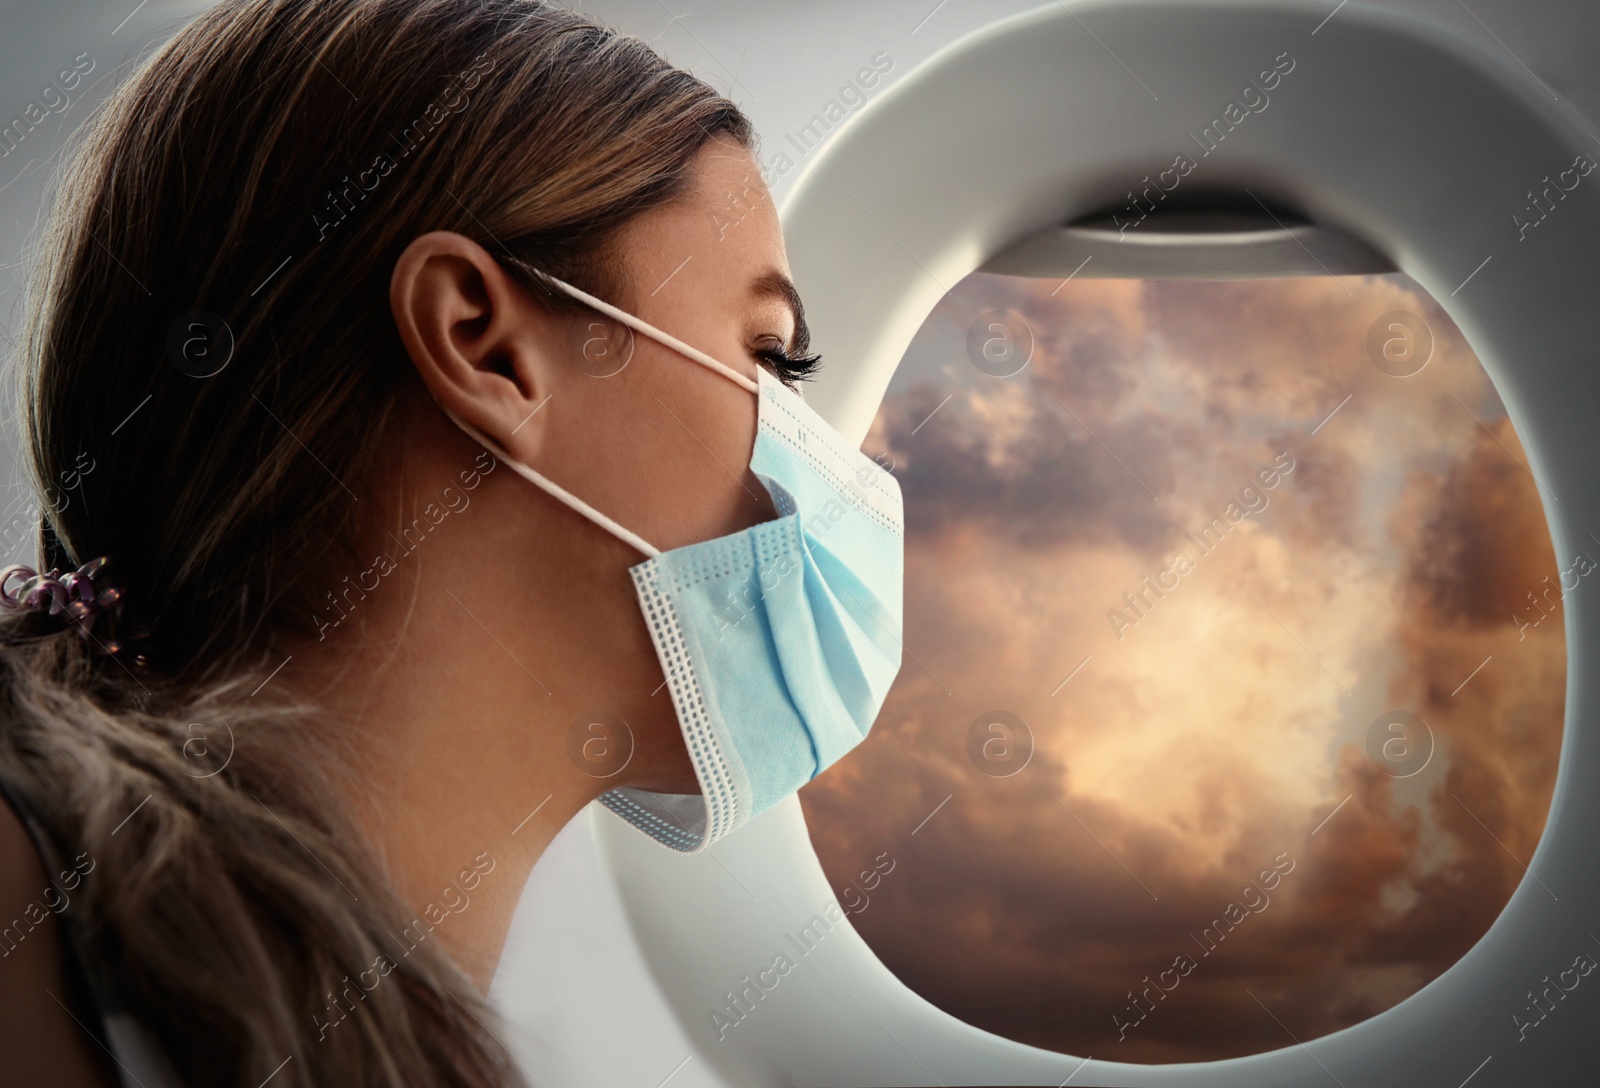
{"points": [[1225, 725]]}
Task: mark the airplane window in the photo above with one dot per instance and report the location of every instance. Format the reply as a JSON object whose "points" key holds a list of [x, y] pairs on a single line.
{"points": [[1234, 663]]}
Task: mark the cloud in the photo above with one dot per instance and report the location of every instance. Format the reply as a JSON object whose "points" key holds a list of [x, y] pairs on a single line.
{"points": [[1021, 464], [1229, 722], [1475, 560]]}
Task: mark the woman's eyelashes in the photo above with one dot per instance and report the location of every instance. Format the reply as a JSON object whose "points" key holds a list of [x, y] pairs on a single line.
{"points": [[788, 368]]}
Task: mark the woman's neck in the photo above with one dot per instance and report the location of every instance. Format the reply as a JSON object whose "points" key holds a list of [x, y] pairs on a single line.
{"points": [[453, 708]]}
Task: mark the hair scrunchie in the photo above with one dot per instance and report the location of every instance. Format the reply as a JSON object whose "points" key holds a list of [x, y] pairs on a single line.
{"points": [[78, 597]]}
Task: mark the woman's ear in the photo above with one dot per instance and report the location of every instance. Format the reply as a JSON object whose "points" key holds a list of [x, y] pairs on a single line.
{"points": [[487, 350]]}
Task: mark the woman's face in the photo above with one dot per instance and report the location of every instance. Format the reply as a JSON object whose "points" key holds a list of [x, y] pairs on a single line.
{"points": [[663, 444]]}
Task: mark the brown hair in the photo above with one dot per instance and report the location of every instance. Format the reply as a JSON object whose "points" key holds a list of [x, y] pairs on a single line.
{"points": [[254, 181]]}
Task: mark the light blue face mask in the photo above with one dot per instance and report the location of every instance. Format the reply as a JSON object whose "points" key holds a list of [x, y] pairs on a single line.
{"points": [[778, 643]]}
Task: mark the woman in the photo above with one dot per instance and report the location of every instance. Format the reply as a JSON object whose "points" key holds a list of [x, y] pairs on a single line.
{"points": [[326, 286]]}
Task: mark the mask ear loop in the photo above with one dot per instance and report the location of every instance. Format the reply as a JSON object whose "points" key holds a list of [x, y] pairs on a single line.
{"points": [[651, 331], [555, 490]]}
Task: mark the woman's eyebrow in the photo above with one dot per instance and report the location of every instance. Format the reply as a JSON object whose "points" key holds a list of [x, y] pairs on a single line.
{"points": [[774, 284]]}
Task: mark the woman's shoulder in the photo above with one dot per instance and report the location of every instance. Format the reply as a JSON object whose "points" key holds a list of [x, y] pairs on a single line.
{"points": [[43, 1038]]}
